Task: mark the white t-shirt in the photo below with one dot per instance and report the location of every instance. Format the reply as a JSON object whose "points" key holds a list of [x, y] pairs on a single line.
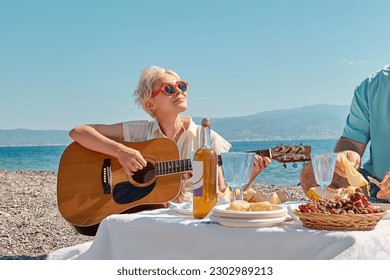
{"points": [[139, 131]]}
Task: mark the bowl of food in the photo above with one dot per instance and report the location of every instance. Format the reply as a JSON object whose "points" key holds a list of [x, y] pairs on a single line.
{"points": [[354, 212]]}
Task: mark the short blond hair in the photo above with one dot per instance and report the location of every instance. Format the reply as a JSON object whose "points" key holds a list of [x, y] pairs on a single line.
{"points": [[144, 89]]}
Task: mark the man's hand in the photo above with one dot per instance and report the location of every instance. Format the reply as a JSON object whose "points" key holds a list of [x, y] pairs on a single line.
{"points": [[385, 187], [352, 156]]}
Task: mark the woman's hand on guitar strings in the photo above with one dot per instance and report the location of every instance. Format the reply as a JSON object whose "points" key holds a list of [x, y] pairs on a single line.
{"points": [[131, 160]]}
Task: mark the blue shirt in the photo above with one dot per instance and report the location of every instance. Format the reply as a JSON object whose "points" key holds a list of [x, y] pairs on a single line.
{"points": [[369, 120]]}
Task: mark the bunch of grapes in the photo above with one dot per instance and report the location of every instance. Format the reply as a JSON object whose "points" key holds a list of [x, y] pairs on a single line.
{"points": [[356, 203]]}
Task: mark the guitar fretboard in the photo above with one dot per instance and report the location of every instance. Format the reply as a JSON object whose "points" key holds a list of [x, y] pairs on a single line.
{"points": [[263, 153], [173, 166]]}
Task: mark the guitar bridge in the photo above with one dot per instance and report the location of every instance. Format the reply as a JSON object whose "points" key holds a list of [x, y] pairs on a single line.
{"points": [[106, 176]]}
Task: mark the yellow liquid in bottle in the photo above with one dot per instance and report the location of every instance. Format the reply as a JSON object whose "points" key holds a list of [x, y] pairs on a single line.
{"points": [[202, 205]]}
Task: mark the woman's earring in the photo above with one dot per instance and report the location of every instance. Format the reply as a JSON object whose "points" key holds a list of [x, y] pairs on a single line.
{"points": [[152, 110]]}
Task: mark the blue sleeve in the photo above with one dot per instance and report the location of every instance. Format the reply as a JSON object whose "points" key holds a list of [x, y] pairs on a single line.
{"points": [[357, 125]]}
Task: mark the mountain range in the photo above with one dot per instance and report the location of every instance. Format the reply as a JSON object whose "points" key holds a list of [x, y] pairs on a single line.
{"points": [[309, 122]]}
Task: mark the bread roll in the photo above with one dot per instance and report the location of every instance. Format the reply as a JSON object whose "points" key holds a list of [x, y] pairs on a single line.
{"points": [[260, 206], [239, 205], [250, 195]]}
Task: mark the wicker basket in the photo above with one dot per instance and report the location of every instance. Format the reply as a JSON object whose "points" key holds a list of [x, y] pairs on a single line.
{"points": [[339, 222]]}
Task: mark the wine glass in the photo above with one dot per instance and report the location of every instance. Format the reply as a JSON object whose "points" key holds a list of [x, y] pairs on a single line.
{"points": [[237, 168], [323, 167], [245, 171]]}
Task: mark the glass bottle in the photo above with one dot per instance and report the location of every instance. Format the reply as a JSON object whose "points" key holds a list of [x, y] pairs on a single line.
{"points": [[205, 182]]}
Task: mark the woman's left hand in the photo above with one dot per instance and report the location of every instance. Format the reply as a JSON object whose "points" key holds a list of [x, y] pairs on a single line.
{"points": [[259, 165]]}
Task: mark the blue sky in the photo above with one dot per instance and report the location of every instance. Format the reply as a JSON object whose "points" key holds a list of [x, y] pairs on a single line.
{"points": [[64, 63]]}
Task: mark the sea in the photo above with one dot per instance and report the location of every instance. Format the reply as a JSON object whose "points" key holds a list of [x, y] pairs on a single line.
{"points": [[46, 158]]}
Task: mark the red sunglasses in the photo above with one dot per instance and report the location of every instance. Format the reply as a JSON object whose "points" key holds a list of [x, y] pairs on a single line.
{"points": [[170, 88]]}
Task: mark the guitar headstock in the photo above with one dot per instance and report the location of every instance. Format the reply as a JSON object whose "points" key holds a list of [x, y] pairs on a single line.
{"points": [[291, 153], [285, 154]]}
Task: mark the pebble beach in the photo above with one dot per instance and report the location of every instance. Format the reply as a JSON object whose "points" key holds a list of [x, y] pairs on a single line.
{"points": [[31, 225]]}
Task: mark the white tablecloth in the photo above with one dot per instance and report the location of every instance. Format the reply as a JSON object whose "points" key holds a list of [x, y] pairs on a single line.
{"points": [[165, 234]]}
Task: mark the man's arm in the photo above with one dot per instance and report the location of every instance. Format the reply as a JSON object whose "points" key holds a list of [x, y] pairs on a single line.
{"points": [[345, 144], [307, 179]]}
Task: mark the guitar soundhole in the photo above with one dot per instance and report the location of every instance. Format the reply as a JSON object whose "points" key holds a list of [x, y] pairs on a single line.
{"points": [[145, 175]]}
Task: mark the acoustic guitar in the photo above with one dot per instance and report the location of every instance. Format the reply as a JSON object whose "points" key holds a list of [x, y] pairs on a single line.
{"points": [[92, 185]]}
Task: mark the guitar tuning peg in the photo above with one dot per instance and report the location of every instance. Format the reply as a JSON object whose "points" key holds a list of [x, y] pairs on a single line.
{"points": [[284, 165], [295, 165], [279, 148]]}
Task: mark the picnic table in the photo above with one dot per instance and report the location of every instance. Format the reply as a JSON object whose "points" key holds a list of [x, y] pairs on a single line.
{"points": [[166, 234]]}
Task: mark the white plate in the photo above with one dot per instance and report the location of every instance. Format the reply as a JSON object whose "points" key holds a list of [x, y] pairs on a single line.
{"points": [[384, 206], [250, 223], [187, 212], [223, 212]]}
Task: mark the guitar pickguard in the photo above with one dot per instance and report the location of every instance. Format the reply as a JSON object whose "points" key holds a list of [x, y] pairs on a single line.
{"points": [[125, 192]]}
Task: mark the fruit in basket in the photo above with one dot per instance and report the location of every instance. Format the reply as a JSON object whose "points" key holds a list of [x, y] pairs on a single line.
{"points": [[351, 203]]}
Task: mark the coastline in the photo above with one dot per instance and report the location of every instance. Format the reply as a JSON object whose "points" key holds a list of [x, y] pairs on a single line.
{"points": [[31, 225]]}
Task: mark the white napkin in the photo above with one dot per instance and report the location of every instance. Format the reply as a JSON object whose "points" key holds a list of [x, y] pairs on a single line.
{"points": [[291, 206], [183, 205]]}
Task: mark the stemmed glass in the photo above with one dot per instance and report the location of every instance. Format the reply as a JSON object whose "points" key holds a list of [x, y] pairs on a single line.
{"points": [[323, 167], [237, 168]]}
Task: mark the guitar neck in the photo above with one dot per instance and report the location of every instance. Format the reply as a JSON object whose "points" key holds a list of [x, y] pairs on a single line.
{"points": [[176, 166], [283, 154], [263, 153], [173, 166]]}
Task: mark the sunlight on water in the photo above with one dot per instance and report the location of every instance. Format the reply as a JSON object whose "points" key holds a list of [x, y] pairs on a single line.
{"points": [[37, 158]]}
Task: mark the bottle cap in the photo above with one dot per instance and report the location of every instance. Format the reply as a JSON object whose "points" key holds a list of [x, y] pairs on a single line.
{"points": [[206, 122]]}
